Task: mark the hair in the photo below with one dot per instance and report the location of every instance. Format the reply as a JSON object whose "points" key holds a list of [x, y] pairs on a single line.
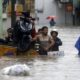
{"points": [[9, 30], [44, 27], [40, 29], [53, 32]]}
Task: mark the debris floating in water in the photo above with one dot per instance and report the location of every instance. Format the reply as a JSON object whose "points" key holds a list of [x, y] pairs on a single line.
{"points": [[16, 70]]}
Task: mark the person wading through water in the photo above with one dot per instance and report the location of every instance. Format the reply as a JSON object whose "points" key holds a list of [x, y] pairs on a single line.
{"points": [[45, 41]]}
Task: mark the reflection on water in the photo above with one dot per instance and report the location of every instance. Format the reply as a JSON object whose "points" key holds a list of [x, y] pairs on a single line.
{"points": [[45, 67]]}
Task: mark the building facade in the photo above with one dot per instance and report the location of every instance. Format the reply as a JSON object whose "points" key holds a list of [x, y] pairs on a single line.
{"points": [[67, 12], [64, 10], [1, 26]]}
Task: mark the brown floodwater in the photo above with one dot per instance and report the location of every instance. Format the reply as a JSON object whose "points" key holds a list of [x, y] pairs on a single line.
{"points": [[56, 67]]}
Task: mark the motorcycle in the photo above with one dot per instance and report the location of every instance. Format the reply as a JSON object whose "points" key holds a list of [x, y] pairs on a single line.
{"points": [[23, 31]]}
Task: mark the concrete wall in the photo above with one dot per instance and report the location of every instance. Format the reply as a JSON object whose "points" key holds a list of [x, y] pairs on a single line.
{"points": [[1, 25], [50, 7]]}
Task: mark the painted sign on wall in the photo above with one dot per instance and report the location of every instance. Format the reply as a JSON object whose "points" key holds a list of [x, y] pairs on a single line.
{"points": [[69, 7]]}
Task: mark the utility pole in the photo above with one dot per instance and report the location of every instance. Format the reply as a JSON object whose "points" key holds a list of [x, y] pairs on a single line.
{"points": [[13, 13], [1, 26]]}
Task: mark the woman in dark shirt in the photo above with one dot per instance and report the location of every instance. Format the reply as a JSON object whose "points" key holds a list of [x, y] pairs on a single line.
{"points": [[57, 41]]}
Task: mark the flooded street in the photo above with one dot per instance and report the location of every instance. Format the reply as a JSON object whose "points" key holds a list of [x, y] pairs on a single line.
{"points": [[46, 68], [18, 21], [57, 67]]}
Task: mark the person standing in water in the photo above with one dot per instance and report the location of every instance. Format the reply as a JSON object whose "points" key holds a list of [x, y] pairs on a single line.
{"points": [[57, 40], [45, 41], [52, 22]]}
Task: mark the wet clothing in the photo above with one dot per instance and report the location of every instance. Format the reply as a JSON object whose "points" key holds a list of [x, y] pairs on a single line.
{"points": [[58, 43], [77, 45], [44, 42], [52, 22]]}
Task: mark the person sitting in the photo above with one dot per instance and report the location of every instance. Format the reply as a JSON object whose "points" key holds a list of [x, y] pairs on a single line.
{"points": [[9, 38], [57, 41]]}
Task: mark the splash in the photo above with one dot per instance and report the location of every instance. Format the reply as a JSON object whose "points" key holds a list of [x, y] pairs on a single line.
{"points": [[16, 70]]}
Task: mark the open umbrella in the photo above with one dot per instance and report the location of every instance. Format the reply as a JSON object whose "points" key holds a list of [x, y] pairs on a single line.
{"points": [[51, 17]]}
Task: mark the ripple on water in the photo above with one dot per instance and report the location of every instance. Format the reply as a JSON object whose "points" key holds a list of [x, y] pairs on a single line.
{"points": [[46, 68]]}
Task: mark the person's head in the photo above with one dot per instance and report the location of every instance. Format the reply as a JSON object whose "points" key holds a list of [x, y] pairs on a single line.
{"points": [[9, 31], [39, 31], [44, 30], [52, 19], [26, 13], [54, 33]]}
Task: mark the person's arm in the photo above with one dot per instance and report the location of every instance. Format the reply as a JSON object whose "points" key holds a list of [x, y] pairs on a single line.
{"points": [[52, 42], [50, 45], [35, 38]]}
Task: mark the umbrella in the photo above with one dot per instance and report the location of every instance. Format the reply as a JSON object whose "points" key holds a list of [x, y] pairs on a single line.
{"points": [[51, 17]]}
